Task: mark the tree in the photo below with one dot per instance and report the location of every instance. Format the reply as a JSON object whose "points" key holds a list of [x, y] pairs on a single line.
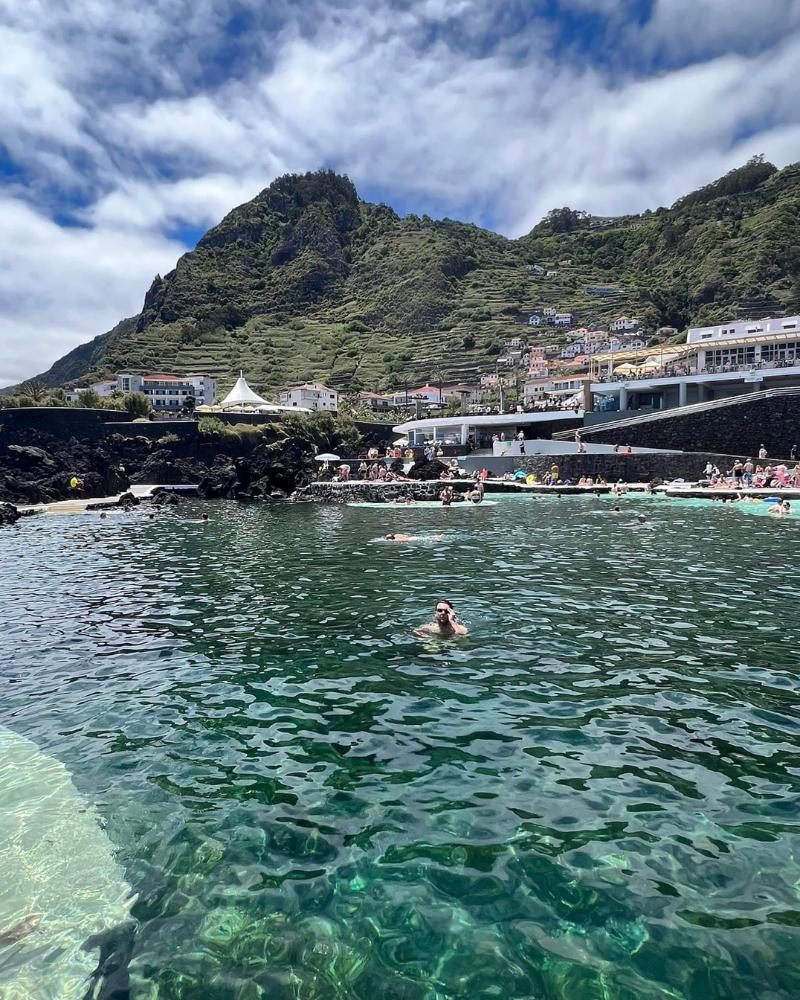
{"points": [[793, 305], [189, 404], [137, 405], [89, 398], [34, 388]]}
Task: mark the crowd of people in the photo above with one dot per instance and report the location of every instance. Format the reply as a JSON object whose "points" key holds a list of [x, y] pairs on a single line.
{"points": [[747, 474]]}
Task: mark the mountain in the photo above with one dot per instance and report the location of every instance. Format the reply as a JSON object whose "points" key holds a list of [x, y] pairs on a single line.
{"points": [[306, 281]]}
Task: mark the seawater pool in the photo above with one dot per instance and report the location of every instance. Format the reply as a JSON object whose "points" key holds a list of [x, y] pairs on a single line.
{"points": [[596, 795]]}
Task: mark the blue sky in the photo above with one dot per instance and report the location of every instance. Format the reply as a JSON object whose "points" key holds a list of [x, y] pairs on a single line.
{"points": [[127, 130]]}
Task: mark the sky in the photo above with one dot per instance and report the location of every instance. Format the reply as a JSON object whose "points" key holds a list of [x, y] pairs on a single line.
{"points": [[128, 128]]}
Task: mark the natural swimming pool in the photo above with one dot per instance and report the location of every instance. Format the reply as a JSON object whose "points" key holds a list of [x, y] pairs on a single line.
{"points": [[596, 795]]}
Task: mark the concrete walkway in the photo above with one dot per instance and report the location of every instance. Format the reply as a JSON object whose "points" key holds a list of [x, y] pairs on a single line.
{"points": [[141, 491]]}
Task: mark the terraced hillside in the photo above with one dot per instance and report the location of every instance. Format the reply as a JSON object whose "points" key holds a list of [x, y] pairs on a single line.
{"points": [[308, 282]]}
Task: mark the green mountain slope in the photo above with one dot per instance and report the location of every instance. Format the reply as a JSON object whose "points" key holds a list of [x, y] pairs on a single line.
{"points": [[308, 282]]}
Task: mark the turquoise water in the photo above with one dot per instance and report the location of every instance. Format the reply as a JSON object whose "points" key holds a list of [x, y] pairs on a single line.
{"points": [[593, 796]]}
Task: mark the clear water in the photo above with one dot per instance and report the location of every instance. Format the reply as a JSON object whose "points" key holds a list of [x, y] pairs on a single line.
{"points": [[594, 796]]}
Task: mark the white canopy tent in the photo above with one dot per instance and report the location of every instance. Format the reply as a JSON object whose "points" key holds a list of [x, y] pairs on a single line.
{"points": [[242, 399], [242, 395]]}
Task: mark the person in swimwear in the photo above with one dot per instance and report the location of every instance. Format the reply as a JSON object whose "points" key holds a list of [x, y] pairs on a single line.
{"points": [[444, 623]]}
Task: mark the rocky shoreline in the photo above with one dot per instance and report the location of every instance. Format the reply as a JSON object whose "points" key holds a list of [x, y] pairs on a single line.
{"points": [[36, 467]]}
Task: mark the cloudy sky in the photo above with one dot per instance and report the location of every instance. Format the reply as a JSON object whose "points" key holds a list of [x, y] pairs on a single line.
{"points": [[127, 128]]}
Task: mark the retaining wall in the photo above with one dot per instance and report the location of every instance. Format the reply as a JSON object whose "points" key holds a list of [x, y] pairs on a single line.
{"points": [[738, 429], [60, 421]]}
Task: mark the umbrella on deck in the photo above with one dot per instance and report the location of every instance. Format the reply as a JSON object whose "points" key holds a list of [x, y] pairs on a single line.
{"points": [[327, 457]]}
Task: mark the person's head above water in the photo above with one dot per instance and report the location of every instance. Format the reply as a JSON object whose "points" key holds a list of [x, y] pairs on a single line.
{"points": [[389, 538], [444, 611], [204, 516]]}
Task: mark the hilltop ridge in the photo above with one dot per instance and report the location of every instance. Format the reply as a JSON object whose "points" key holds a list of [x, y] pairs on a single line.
{"points": [[306, 281]]}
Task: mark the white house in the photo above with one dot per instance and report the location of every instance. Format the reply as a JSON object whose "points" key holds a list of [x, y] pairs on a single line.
{"points": [[515, 343], [624, 323], [311, 396], [552, 274], [537, 269], [537, 387], [534, 320], [562, 319], [549, 312]]}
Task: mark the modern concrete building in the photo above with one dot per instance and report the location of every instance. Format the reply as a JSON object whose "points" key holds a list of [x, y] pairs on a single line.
{"points": [[714, 363], [477, 431]]}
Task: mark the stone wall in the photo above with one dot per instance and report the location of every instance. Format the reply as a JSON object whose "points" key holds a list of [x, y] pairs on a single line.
{"points": [[630, 469], [738, 429], [154, 429], [60, 421]]}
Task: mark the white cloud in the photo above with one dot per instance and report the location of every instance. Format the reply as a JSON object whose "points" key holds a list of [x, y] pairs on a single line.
{"points": [[59, 287], [129, 107], [689, 28]]}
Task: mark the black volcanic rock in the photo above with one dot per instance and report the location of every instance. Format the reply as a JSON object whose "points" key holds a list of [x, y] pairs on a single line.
{"points": [[8, 514], [422, 469]]}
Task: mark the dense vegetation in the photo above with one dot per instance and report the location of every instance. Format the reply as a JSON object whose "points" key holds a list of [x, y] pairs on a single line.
{"points": [[308, 282]]}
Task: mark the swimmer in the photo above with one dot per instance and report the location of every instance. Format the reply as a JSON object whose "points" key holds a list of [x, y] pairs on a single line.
{"points": [[781, 509], [204, 516], [444, 623], [103, 516], [641, 519], [400, 537], [152, 517]]}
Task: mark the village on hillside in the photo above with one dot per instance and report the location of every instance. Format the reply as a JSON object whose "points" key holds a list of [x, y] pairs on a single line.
{"points": [[591, 370]]}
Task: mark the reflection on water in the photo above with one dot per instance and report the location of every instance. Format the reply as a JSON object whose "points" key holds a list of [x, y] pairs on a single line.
{"points": [[595, 795]]}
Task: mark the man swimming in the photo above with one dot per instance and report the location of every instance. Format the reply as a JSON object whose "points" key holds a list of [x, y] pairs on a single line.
{"points": [[444, 623]]}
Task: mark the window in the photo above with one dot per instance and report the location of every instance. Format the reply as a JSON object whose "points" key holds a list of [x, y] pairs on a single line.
{"points": [[706, 336]]}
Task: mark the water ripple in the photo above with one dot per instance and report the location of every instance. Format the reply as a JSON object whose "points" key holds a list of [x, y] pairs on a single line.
{"points": [[596, 795]]}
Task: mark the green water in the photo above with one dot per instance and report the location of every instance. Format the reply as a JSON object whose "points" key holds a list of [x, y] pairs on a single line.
{"points": [[594, 796]]}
